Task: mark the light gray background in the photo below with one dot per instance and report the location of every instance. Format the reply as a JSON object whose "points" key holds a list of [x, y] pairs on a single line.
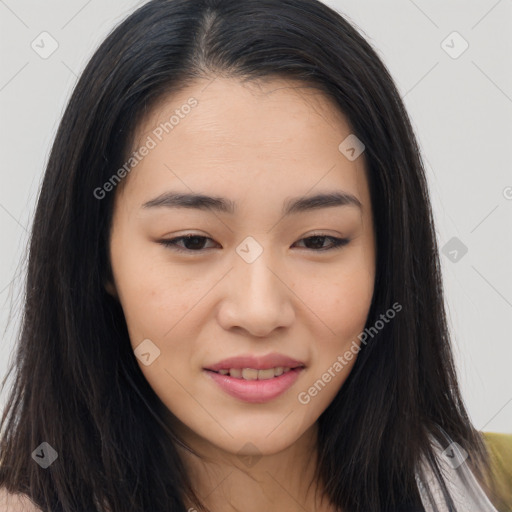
{"points": [[461, 109]]}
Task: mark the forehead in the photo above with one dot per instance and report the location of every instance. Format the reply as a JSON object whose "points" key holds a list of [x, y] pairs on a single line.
{"points": [[222, 101], [274, 133]]}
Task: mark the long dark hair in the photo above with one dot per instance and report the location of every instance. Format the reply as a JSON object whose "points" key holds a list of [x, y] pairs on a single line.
{"points": [[77, 384]]}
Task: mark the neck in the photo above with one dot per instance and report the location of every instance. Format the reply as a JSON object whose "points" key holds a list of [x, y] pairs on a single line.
{"points": [[227, 482]]}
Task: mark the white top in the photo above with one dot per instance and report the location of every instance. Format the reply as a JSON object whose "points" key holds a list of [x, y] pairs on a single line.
{"points": [[466, 492]]}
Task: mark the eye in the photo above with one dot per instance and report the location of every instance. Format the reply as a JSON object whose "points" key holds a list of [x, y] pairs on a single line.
{"points": [[195, 243], [318, 242]]}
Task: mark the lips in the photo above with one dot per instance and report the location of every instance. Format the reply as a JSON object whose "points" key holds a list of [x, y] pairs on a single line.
{"points": [[256, 379], [255, 391]]}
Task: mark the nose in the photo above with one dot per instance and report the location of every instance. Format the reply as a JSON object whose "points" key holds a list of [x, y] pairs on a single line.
{"points": [[256, 298]]}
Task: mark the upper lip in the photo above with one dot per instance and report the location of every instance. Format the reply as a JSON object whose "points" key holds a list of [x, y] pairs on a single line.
{"points": [[256, 362]]}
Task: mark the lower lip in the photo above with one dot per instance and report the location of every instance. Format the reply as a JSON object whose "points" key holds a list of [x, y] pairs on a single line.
{"points": [[256, 391]]}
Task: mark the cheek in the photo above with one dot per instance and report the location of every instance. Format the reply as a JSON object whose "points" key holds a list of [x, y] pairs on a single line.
{"points": [[342, 304], [340, 300], [157, 308]]}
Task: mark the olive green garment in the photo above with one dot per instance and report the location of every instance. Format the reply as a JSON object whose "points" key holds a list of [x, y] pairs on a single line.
{"points": [[500, 452]]}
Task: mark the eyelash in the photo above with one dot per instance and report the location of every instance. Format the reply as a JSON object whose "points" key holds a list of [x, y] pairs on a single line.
{"points": [[336, 243]]}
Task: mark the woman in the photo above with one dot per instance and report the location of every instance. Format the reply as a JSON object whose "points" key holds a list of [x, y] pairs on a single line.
{"points": [[234, 298]]}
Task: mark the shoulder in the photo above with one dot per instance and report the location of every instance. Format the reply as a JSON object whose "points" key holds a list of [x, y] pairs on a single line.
{"points": [[10, 502]]}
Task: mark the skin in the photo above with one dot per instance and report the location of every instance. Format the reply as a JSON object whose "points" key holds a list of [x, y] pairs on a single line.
{"points": [[256, 144]]}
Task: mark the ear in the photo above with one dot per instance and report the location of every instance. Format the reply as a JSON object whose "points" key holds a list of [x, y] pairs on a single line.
{"points": [[111, 289]]}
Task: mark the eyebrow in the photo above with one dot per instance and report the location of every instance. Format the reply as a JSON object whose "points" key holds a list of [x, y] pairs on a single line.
{"points": [[219, 204]]}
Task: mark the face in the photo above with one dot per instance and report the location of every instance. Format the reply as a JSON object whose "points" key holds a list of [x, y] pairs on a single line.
{"points": [[267, 278]]}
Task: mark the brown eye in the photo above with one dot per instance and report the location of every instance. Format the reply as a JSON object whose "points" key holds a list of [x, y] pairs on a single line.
{"points": [[317, 242], [191, 243]]}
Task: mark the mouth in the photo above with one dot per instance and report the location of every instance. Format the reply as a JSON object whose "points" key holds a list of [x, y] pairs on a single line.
{"points": [[255, 379], [252, 385], [255, 373]]}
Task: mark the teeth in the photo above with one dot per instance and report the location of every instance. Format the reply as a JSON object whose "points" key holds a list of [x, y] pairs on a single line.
{"points": [[265, 374], [249, 374], [254, 374]]}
